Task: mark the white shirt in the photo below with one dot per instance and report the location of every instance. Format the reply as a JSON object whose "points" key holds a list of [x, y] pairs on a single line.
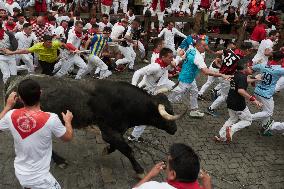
{"points": [[19, 26], [130, 18], [73, 39], [13, 5], [59, 19], [25, 41], [154, 57], [260, 57], [155, 185], [117, 31], [5, 42], [103, 25], [199, 60], [59, 31], [154, 76], [33, 152], [169, 35]]}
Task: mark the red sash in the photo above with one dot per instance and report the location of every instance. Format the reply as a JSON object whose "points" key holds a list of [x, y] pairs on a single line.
{"points": [[28, 122]]}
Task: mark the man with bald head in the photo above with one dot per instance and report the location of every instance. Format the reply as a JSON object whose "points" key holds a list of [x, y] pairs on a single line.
{"points": [[41, 28]]}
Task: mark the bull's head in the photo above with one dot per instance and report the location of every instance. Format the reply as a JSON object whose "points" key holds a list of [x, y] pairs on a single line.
{"points": [[167, 118]]}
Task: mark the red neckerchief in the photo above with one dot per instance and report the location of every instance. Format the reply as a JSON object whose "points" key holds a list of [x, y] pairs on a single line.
{"points": [[10, 27], [79, 35], [161, 63], [239, 52], [273, 62], [184, 185], [10, 2], [156, 51], [170, 29], [2, 31]]}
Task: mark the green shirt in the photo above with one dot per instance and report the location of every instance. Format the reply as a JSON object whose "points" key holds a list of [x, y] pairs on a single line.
{"points": [[46, 54]]}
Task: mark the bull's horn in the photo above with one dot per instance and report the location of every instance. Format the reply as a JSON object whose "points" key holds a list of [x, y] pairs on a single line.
{"points": [[166, 115]]}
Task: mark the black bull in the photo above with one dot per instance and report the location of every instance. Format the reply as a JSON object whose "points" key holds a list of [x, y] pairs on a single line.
{"points": [[113, 106]]}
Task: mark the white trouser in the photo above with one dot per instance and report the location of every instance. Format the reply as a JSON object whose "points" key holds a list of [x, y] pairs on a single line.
{"points": [[267, 110], [235, 3], [182, 90], [28, 60], [160, 17], [244, 9], [186, 6], [46, 181], [105, 9], [141, 49], [175, 6], [115, 6], [278, 127], [237, 121], [224, 91], [129, 56], [8, 66], [95, 61], [36, 63], [209, 82], [280, 84], [195, 7], [68, 63], [123, 4]]}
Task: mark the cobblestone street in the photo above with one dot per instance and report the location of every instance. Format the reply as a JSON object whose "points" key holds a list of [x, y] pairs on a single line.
{"points": [[251, 161]]}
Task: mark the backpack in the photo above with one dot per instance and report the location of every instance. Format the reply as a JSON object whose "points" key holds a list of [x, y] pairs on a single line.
{"points": [[13, 41]]}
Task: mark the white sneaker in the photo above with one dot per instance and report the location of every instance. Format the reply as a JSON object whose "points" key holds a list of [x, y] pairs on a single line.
{"points": [[196, 113], [145, 61]]}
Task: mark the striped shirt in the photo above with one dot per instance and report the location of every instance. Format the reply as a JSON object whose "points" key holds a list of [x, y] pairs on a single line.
{"points": [[98, 43]]}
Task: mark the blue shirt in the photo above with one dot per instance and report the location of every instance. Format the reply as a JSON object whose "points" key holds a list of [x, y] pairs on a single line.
{"points": [[98, 43], [189, 70], [189, 41], [186, 43], [270, 74]]}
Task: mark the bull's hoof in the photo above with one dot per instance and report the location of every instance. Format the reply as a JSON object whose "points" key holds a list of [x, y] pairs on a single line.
{"points": [[63, 165], [140, 175]]}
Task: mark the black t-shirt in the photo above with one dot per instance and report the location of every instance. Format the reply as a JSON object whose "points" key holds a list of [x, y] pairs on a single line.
{"points": [[235, 101]]}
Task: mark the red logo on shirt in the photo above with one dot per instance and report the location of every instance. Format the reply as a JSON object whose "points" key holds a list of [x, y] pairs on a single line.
{"points": [[28, 122]]}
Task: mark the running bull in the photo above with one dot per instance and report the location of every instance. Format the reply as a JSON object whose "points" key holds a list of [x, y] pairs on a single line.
{"points": [[113, 106]]}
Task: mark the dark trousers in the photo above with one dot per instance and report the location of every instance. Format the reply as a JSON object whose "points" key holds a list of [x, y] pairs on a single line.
{"points": [[47, 68]]}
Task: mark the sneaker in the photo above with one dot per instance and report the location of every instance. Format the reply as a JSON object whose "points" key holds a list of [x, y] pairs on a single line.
{"points": [[146, 61], [200, 97], [211, 112], [229, 134], [134, 139], [267, 126], [196, 113], [217, 139]]}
